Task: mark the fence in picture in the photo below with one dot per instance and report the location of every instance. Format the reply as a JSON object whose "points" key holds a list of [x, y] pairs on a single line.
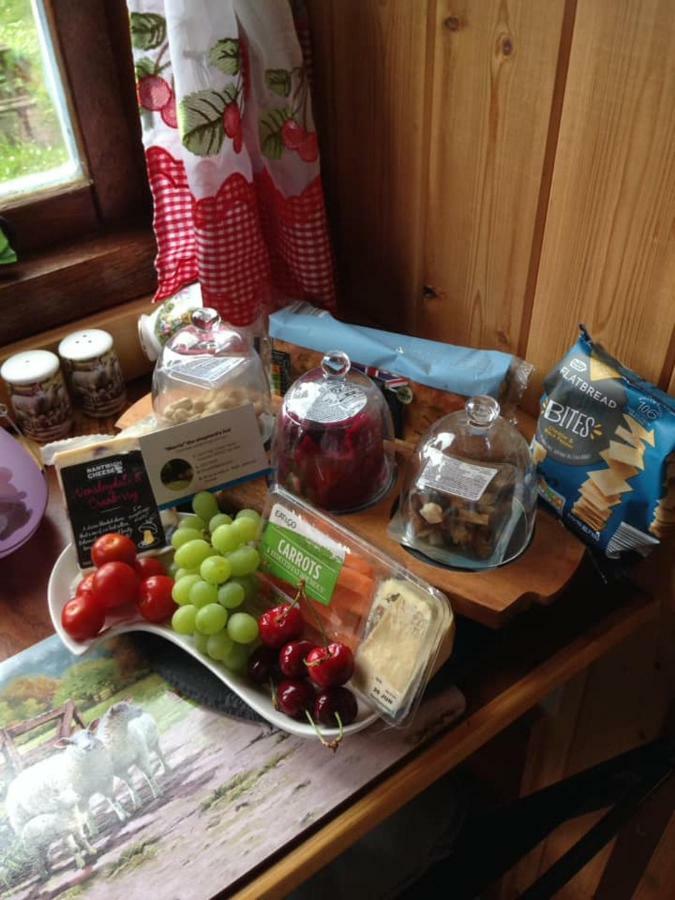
{"points": [[65, 716]]}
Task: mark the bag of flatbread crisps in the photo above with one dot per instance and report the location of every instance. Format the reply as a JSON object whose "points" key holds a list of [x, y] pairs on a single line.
{"points": [[605, 452]]}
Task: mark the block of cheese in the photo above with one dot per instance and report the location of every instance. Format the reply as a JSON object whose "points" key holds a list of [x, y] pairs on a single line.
{"points": [[399, 648]]}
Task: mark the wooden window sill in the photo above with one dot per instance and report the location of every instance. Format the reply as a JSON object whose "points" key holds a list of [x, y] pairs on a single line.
{"points": [[57, 286]]}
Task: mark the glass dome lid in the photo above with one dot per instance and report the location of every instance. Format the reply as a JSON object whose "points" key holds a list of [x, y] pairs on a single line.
{"points": [[331, 437], [208, 367], [470, 497]]}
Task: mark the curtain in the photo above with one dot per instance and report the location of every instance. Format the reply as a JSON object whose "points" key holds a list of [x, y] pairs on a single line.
{"points": [[232, 153]]}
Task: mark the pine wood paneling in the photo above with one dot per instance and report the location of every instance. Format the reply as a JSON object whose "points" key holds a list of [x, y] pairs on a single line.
{"points": [[370, 64], [608, 255], [495, 66]]}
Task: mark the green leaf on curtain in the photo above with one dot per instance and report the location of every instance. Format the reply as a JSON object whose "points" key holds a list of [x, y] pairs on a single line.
{"points": [[225, 56], [270, 131], [279, 81], [148, 30], [144, 66], [201, 121]]}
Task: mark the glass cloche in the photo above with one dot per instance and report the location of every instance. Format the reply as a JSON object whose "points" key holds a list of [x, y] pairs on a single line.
{"points": [[470, 497], [208, 367], [330, 445]]}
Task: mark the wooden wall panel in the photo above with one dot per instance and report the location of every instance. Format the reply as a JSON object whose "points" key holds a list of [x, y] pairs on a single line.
{"points": [[370, 66], [495, 64], [608, 255]]}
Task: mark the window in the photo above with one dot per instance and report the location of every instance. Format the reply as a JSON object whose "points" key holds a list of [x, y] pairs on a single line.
{"points": [[38, 149], [72, 175]]}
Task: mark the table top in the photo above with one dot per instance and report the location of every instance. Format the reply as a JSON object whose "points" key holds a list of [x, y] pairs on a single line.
{"points": [[502, 674]]}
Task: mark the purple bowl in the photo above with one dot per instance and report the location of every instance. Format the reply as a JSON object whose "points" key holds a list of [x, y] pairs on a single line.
{"points": [[23, 495]]}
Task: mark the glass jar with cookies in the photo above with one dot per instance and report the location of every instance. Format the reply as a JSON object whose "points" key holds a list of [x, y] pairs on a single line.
{"points": [[470, 497]]}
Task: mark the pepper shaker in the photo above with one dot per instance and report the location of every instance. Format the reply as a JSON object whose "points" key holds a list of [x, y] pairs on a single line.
{"points": [[93, 372]]}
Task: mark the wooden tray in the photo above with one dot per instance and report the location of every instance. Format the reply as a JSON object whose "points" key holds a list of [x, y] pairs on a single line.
{"points": [[491, 597]]}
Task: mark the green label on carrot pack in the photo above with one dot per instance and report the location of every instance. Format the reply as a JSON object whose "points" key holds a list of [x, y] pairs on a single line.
{"points": [[295, 558]]}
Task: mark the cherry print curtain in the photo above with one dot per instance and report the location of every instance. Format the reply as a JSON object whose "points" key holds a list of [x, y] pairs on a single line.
{"points": [[232, 153]]}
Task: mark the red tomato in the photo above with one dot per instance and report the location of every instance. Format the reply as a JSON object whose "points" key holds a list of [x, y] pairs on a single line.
{"points": [[147, 566], [115, 584], [82, 617], [87, 583], [113, 548], [155, 602]]}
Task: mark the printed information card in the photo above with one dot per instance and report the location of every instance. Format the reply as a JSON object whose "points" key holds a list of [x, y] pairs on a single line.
{"points": [[213, 453], [111, 493]]}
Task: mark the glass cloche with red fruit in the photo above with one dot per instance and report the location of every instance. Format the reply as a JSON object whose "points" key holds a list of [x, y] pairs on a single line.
{"points": [[333, 438]]}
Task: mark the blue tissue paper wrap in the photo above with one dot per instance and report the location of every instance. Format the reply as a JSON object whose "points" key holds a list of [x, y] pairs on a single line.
{"points": [[460, 370]]}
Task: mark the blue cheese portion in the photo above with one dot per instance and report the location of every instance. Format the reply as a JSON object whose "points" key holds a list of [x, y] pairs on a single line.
{"points": [[395, 652]]}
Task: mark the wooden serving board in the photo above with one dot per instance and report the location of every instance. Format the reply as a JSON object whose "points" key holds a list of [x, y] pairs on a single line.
{"points": [[491, 597]]}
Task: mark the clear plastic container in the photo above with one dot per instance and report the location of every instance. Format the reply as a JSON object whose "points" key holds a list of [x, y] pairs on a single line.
{"points": [[331, 438], [395, 624], [205, 368], [470, 497]]}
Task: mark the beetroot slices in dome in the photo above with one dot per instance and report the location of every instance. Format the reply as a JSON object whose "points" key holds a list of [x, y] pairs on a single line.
{"points": [[330, 442]]}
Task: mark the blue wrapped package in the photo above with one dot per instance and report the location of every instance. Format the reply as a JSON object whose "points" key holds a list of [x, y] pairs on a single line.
{"points": [[459, 370], [605, 451]]}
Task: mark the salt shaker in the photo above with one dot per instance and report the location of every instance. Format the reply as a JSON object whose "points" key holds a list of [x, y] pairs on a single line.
{"points": [[93, 372], [38, 394]]}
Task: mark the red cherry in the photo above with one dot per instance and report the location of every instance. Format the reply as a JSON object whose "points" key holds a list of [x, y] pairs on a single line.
{"points": [[153, 92], [279, 625], [292, 134], [232, 120], [263, 665], [292, 658], [336, 701], [309, 148], [168, 112], [294, 697], [330, 666], [237, 141]]}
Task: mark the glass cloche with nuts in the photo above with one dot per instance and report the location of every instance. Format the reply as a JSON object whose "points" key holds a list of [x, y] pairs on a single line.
{"points": [[470, 497], [208, 367]]}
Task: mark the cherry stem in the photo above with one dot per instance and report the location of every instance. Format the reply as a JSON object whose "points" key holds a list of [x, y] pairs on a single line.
{"points": [[335, 743], [301, 595]]}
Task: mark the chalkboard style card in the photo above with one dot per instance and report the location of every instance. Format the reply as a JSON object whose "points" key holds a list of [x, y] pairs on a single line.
{"points": [[111, 493]]}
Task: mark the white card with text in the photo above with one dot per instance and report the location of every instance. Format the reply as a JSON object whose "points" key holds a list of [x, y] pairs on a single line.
{"points": [[210, 454]]}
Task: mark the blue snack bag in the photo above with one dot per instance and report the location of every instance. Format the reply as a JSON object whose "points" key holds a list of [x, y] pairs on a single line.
{"points": [[604, 450]]}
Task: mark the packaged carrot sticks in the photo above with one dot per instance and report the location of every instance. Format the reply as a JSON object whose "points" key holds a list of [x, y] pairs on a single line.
{"points": [[349, 591]]}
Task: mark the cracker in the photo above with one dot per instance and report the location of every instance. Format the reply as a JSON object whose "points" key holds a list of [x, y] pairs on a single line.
{"points": [[622, 469], [632, 457], [583, 510], [608, 482], [665, 515], [600, 370], [628, 437], [589, 490], [538, 452], [638, 430], [589, 520]]}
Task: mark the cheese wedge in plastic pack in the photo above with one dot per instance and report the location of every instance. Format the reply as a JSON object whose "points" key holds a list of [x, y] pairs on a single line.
{"points": [[399, 628]]}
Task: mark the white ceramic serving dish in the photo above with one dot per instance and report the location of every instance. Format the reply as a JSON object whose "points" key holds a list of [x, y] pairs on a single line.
{"points": [[65, 576]]}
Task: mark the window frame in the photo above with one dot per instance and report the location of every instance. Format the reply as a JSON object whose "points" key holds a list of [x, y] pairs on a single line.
{"points": [[100, 218]]}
